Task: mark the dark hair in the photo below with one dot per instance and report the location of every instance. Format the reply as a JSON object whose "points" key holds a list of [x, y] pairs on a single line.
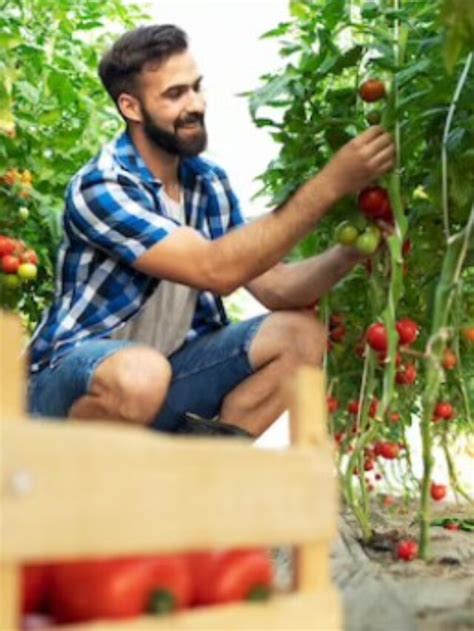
{"points": [[120, 66]]}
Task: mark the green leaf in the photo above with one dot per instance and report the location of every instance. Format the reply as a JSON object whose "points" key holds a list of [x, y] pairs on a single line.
{"points": [[269, 92]]}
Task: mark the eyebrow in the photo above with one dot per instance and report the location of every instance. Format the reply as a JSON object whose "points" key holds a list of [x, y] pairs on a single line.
{"points": [[182, 85]]}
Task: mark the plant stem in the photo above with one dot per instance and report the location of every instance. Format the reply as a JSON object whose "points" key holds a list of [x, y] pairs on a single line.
{"points": [[447, 129]]}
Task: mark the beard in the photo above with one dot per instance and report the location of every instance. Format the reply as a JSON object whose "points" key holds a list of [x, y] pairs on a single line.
{"points": [[174, 144]]}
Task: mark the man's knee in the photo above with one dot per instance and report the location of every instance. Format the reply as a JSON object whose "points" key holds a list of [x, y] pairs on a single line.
{"points": [[297, 335], [306, 336], [134, 383]]}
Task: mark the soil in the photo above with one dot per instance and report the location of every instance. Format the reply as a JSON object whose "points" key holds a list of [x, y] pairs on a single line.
{"points": [[382, 593]]}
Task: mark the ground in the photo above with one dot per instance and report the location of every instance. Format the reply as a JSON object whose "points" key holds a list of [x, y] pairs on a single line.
{"points": [[381, 593]]}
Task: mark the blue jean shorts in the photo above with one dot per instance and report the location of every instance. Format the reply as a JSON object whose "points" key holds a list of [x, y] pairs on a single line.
{"points": [[205, 370]]}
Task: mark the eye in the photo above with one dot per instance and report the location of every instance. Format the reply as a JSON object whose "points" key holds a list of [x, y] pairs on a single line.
{"points": [[176, 93]]}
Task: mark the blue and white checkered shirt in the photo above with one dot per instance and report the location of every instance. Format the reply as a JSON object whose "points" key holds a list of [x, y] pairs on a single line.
{"points": [[113, 215]]}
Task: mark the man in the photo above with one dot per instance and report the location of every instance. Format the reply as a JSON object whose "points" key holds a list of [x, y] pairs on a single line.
{"points": [[146, 210]]}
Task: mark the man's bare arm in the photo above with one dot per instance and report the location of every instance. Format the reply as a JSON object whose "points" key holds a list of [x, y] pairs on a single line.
{"points": [[301, 284], [235, 259]]}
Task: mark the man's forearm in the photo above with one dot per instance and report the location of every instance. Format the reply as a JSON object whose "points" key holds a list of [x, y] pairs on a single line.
{"points": [[248, 252], [301, 284]]}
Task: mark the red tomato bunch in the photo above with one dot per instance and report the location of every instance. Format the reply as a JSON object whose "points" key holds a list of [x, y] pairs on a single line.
{"points": [[80, 591], [17, 261]]}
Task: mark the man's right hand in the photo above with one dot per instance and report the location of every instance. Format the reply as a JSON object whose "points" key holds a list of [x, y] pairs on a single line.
{"points": [[360, 162]]}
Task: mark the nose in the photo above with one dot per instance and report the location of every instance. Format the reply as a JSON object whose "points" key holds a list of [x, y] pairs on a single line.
{"points": [[196, 102]]}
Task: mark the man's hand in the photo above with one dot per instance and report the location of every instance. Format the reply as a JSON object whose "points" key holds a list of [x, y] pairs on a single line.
{"points": [[360, 161]]}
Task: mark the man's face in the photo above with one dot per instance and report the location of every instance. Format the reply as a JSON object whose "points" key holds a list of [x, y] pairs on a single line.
{"points": [[172, 106]]}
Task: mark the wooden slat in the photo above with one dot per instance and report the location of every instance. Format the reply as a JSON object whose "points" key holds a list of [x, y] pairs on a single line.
{"points": [[12, 368], [294, 612], [308, 429], [9, 598], [76, 489], [12, 407]]}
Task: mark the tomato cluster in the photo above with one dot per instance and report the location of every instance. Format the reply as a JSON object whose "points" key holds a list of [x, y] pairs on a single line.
{"points": [[17, 262], [80, 591]]}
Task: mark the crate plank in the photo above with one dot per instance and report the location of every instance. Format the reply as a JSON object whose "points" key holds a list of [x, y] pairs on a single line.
{"points": [[77, 489], [318, 611], [12, 368], [308, 428]]}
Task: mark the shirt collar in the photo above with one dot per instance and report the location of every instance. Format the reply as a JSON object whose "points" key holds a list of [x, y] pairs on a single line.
{"points": [[130, 159]]}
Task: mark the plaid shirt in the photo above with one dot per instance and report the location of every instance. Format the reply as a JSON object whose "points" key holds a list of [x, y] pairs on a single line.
{"points": [[113, 215]]}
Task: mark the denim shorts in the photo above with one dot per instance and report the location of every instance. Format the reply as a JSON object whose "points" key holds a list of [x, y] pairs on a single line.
{"points": [[205, 370]]}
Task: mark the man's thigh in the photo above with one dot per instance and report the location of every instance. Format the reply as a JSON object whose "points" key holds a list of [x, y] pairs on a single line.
{"points": [[205, 370], [53, 391]]}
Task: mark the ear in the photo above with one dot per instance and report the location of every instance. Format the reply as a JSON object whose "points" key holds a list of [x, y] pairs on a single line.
{"points": [[129, 107]]}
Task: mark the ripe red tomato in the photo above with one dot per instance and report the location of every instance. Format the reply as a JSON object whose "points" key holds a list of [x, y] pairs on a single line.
{"points": [[372, 90], [222, 577], [10, 264], [408, 331], [29, 256], [438, 491], [35, 587], [450, 359], [374, 202], [389, 451], [7, 246], [353, 407], [374, 406], [333, 404], [119, 588], [406, 376], [407, 550], [451, 525], [377, 337], [468, 333], [444, 410]]}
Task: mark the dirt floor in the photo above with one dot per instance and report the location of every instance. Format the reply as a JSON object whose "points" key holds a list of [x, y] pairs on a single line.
{"points": [[433, 596], [382, 593]]}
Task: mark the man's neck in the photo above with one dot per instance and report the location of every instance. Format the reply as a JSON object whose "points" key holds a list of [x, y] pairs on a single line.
{"points": [[161, 164]]}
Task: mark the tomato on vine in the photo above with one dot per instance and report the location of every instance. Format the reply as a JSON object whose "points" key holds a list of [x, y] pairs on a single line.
{"points": [[408, 331], [377, 337], [372, 90], [438, 491]]}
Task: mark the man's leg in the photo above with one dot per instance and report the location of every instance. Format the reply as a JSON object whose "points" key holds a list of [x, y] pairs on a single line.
{"points": [[103, 379], [129, 386], [286, 340], [240, 371]]}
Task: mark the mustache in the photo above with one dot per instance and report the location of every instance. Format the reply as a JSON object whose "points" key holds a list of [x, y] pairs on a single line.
{"points": [[195, 118]]}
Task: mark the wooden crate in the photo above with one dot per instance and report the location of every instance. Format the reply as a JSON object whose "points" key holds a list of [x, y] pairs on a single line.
{"points": [[79, 489]]}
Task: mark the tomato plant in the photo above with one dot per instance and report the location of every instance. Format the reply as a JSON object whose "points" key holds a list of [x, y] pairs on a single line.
{"points": [[53, 116], [415, 297]]}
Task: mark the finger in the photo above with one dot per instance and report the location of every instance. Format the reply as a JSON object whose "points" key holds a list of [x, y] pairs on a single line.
{"points": [[383, 156], [386, 167], [371, 133], [380, 143]]}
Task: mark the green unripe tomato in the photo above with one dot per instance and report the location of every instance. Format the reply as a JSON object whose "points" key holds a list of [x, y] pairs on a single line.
{"points": [[23, 213], [372, 228], [346, 233], [367, 243], [359, 221], [10, 281], [27, 271], [374, 117]]}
